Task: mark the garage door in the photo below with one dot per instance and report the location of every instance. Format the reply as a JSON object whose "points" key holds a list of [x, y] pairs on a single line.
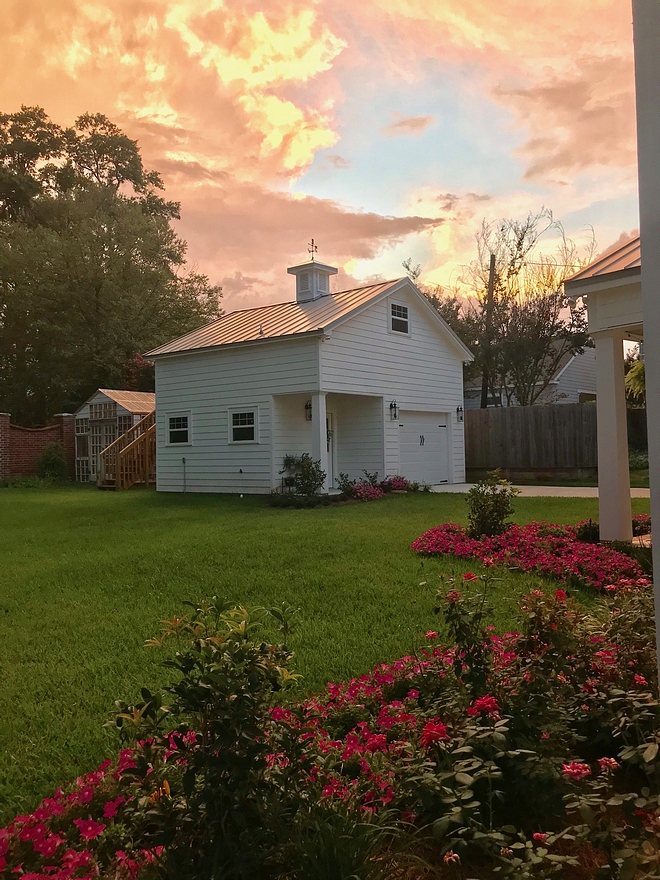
{"points": [[423, 446]]}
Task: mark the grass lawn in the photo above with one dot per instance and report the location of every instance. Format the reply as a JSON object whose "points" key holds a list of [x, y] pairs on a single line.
{"points": [[85, 577]]}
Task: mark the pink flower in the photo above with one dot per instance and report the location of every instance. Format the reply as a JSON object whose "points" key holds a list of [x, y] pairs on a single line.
{"points": [[639, 679], [110, 807], [33, 832], [412, 694], [485, 704], [432, 732], [608, 765], [470, 576], [46, 846], [453, 596], [431, 634], [86, 794], [539, 836], [88, 828], [576, 770]]}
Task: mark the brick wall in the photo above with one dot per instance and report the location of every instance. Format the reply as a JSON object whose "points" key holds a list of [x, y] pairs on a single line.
{"points": [[20, 448]]}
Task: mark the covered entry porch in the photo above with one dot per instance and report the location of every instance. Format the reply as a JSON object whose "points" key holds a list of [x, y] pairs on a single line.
{"points": [[352, 433]]}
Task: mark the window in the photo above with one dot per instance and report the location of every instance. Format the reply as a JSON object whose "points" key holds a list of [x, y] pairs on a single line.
{"points": [[243, 427], [82, 426], [178, 429], [101, 411], [399, 318], [124, 423]]}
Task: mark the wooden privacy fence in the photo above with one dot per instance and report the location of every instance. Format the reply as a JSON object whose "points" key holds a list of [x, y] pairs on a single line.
{"points": [[522, 440]]}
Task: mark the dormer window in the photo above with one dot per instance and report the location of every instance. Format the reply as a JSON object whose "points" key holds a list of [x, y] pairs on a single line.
{"points": [[399, 320]]}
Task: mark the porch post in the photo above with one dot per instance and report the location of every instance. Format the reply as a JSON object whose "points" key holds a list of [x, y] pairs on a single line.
{"points": [[615, 512], [646, 28], [320, 433]]}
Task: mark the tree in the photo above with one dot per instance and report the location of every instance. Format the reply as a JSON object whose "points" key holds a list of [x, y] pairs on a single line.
{"points": [[91, 270], [525, 332]]}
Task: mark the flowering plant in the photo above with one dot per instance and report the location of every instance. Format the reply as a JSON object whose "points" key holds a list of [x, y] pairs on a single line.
{"points": [[222, 776], [551, 550]]}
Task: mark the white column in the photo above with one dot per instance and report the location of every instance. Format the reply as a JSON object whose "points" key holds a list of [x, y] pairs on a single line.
{"points": [[320, 433], [615, 513], [646, 26]]}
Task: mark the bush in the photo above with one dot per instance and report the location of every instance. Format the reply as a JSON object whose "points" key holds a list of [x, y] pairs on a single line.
{"points": [[531, 754], [300, 502], [489, 506], [303, 474], [25, 483], [638, 460], [52, 464]]}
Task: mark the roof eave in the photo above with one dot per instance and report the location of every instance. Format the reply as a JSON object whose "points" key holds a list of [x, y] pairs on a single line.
{"points": [[603, 277], [243, 343]]}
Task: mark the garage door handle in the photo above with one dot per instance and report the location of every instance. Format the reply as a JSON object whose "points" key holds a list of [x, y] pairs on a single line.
{"points": [[421, 439]]}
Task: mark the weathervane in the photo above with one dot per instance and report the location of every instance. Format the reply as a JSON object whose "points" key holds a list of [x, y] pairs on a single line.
{"points": [[312, 248]]}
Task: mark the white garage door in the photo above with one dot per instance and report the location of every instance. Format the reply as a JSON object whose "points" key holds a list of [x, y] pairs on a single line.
{"points": [[423, 446]]}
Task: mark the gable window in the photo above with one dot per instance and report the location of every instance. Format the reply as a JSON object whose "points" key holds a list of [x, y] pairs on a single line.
{"points": [[178, 429], [399, 320], [243, 426]]}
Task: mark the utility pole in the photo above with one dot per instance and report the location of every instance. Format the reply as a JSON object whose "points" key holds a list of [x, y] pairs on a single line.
{"points": [[485, 375]]}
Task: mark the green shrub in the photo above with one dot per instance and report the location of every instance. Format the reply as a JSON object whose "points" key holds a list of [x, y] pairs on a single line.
{"points": [[638, 460], [25, 483], [309, 477], [52, 464], [489, 506]]}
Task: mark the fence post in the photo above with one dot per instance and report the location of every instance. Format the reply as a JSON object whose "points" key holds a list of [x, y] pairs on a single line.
{"points": [[67, 425]]}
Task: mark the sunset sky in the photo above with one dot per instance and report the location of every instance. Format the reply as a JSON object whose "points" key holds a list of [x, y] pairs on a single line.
{"points": [[383, 128]]}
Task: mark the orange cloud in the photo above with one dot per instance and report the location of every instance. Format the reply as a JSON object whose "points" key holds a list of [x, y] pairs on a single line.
{"points": [[408, 125]]}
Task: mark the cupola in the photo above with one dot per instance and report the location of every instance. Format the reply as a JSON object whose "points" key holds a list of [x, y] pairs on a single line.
{"points": [[312, 278]]}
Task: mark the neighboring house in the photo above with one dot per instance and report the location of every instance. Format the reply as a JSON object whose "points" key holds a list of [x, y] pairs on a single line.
{"points": [[574, 381], [366, 379], [104, 417]]}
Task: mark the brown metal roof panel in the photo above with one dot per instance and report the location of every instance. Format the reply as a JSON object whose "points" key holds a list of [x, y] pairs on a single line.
{"points": [[133, 401], [272, 322], [628, 256]]}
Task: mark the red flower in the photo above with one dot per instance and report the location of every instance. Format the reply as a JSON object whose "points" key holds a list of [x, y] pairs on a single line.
{"points": [[46, 846], [485, 704], [470, 576], [639, 679], [431, 634], [88, 828], [453, 596], [608, 765], [540, 836], [576, 770], [432, 732], [561, 595]]}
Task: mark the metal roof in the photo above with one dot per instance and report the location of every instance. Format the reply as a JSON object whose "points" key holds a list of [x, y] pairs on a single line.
{"points": [[133, 401], [627, 258], [275, 321]]}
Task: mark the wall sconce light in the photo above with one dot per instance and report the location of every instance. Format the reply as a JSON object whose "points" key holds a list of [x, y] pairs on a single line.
{"points": [[459, 413], [308, 411], [394, 411]]}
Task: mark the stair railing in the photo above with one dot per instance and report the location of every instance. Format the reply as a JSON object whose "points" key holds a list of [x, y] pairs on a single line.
{"points": [[131, 458]]}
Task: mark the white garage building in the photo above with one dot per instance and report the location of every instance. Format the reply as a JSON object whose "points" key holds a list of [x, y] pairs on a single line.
{"points": [[365, 379]]}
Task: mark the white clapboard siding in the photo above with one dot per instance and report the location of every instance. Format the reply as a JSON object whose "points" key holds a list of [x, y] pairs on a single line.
{"points": [[421, 371], [358, 434], [207, 385], [292, 433]]}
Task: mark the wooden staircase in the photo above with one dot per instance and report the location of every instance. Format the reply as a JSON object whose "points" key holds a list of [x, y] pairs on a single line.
{"points": [[131, 459]]}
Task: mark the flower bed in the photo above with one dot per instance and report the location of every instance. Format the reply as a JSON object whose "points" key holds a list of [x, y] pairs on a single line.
{"points": [[555, 717], [551, 550]]}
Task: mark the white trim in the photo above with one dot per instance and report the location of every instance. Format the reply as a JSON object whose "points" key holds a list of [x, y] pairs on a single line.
{"points": [[249, 407], [174, 415]]}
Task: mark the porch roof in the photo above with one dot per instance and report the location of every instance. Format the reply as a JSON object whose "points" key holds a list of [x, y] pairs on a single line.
{"points": [[623, 261]]}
